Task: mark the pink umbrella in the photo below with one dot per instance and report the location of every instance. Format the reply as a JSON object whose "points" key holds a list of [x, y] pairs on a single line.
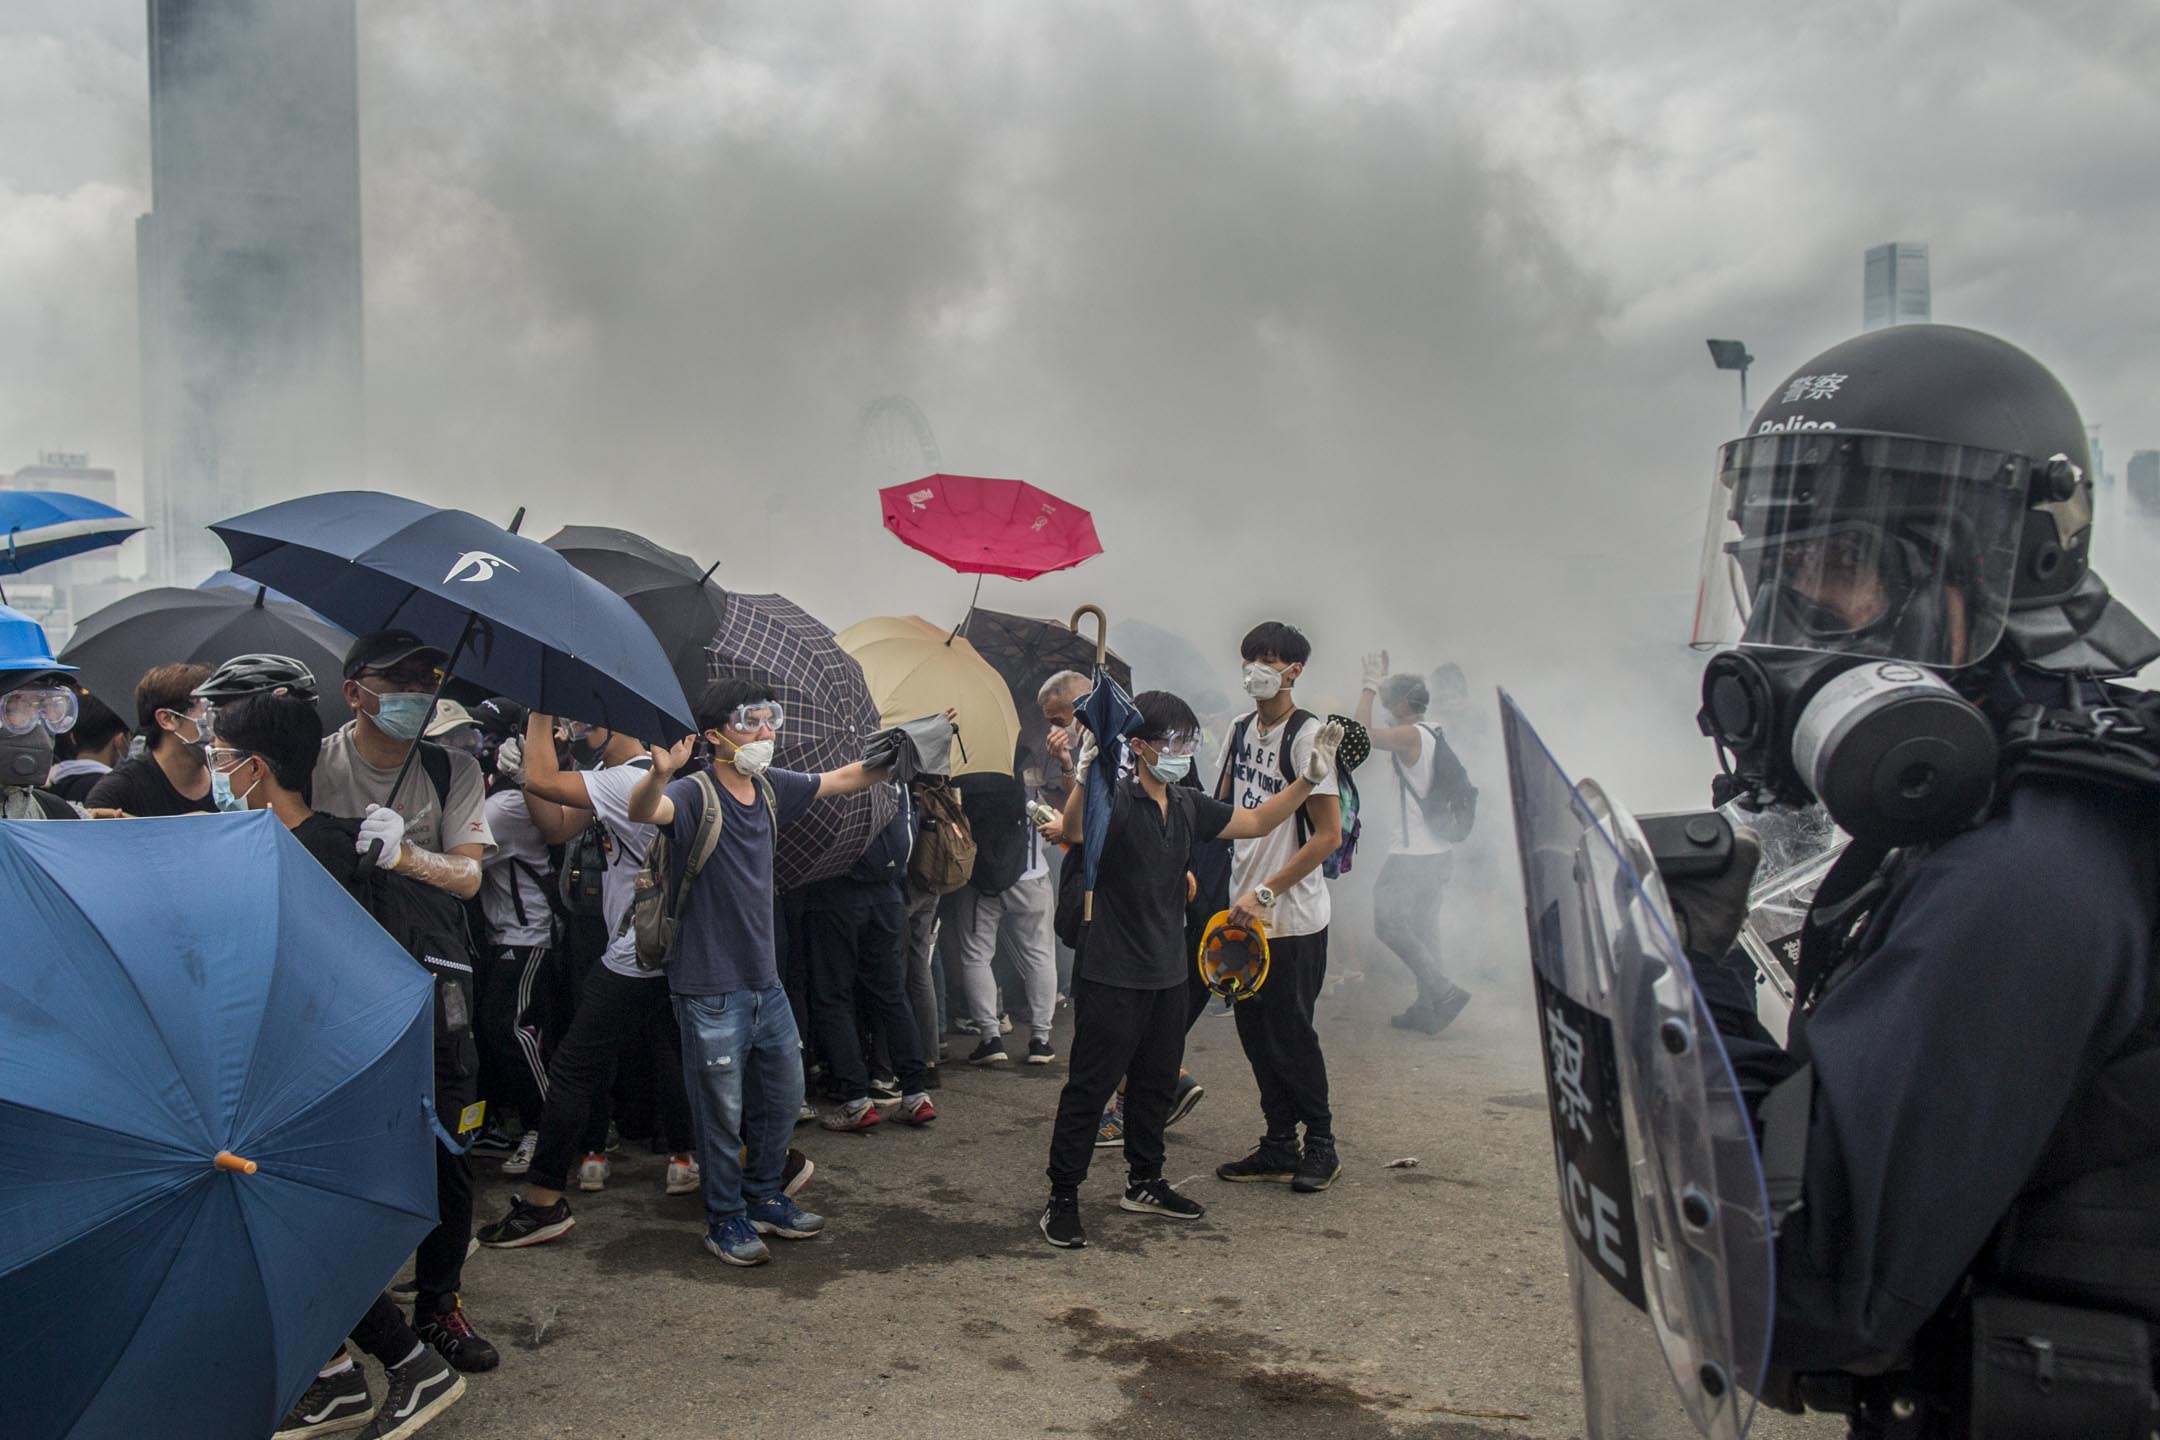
{"points": [[981, 526]]}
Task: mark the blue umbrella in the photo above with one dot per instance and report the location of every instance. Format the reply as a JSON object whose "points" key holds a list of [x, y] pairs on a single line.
{"points": [[516, 618], [47, 525], [1110, 717], [214, 1138]]}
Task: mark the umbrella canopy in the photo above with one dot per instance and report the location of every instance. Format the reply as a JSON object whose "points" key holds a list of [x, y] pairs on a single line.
{"points": [[1026, 652], [773, 641], [46, 525], [183, 999], [916, 669], [671, 594], [981, 526], [114, 646], [519, 619], [1110, 717]]}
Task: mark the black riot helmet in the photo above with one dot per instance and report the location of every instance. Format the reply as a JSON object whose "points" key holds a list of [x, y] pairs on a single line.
{"points": [[1920, 493]]}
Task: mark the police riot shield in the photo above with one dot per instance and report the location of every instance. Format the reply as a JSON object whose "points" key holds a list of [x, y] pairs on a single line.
{"points": [[1798, 848], [1661, 1189]]}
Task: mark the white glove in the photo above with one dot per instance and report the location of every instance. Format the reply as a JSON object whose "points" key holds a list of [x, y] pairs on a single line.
{"points": [[1375, 669], [1324, 746], [510, 761], [1089, 751], [387, 827]]}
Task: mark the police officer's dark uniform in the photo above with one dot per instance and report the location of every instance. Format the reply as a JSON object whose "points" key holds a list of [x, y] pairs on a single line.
{"points": [[1962, 1135]]}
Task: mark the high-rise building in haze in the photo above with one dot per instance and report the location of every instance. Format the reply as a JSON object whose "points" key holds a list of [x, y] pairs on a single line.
{"points": [[248, 266], [1895, 290], [2144, 477]]}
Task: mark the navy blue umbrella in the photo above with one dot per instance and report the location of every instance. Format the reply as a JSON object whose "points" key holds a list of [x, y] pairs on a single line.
{"points": [[42, 526], [1110, 717], [215, 1138], [516, 617]]}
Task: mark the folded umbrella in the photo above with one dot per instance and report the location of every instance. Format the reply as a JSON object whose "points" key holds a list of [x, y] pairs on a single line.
{"points": [[919, 747], [41, 526], [516, 617], [1110, 716], [214, 1141], [115, 645], [771, 640], [674, 596], [914, 668]]}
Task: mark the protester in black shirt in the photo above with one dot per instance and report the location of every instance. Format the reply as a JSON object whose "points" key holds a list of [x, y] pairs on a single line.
{"points": [[169, 777], [87, 753], [1129, 1001], [265, 749]]}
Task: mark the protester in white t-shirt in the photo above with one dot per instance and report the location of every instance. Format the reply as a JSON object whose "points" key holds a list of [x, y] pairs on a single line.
{"points": [[621, 1005], [1277, 882], [1406, 900]]}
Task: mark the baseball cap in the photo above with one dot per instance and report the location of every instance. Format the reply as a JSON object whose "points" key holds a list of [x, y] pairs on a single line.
{"points": [[449, 716], [384, 648]]}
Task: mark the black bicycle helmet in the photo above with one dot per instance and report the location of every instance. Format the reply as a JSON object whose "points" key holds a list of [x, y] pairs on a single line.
{"points": [[245, 675]]}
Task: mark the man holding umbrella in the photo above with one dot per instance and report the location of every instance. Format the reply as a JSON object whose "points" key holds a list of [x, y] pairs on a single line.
{"points": [[433, 830]]}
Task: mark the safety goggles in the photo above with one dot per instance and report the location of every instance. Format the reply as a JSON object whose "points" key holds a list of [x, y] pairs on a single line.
{"points": [[1176, 743], [225, 761], [54, 707], [758, 715]]}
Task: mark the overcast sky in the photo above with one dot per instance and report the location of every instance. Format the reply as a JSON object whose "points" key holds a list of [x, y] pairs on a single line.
{"points": [[1388, 317]]}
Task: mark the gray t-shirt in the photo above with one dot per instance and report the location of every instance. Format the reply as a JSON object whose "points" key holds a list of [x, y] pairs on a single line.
{"points": [[609, 791], [726, 941], [345, 784], [514, 880]]}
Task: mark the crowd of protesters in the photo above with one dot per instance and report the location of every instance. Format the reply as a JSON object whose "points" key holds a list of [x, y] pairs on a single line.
{"points": [[543, 868]]}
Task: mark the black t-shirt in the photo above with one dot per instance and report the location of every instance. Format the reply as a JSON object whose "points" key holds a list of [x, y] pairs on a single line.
{"points": [[139, 787], [1137, 939], [329, 838]]}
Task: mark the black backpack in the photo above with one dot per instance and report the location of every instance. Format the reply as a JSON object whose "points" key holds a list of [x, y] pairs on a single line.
{"points": [[996, 807], [1449, 804], [885, 859]]}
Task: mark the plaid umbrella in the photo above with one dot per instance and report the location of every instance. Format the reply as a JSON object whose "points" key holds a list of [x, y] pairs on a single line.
{"points": [[770, 639]]}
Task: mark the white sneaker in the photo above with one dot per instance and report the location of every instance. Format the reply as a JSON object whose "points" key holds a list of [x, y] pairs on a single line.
{"points": [[683, 1177], [593, 1174], [520, 1160]]}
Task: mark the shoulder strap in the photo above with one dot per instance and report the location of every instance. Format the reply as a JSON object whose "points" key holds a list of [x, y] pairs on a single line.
{"points": [[772, 807], [708, 830], [1223, 788], [54, 807], [436, 761], [1291, 727]]}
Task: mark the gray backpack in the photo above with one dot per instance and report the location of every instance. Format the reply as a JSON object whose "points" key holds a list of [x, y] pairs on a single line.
{"points": [[655, 912]]}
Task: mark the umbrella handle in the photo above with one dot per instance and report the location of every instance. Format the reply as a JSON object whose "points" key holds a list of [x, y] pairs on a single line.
{"points": [[226, 1160], [1102, 629]]}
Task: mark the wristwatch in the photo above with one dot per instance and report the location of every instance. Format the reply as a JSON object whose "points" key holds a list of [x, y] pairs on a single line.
{"points": [[1265, 896]]}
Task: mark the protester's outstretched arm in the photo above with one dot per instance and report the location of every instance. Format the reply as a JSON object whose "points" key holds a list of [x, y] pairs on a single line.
{"points": [[1403, 740], [648, 803], [543, 776], [1271, 812]]}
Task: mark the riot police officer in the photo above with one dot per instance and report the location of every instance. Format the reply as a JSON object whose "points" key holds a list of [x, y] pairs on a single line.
{"points": [[1959, 1134]]}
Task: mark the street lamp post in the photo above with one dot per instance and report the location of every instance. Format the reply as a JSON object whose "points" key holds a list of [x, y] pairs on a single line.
{"points": [[1732, 355]]}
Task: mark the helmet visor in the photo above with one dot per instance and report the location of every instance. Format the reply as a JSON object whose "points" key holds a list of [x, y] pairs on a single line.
{"points": [[1878, 545]]}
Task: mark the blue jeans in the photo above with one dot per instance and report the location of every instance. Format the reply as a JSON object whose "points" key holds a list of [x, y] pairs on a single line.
{"points": [[742, 1064]]}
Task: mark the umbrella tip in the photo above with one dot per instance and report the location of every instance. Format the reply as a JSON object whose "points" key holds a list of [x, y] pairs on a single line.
{"points": [[517, 520], [226, 1160], [260, 592]]}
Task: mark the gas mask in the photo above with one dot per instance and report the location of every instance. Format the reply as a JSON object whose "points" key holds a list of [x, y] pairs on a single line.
{"points": [[1895, 755], [26, 759]]}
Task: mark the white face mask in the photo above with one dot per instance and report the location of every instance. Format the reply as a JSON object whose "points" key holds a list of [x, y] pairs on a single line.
{"points": [[754, 758], [1262, 682]]}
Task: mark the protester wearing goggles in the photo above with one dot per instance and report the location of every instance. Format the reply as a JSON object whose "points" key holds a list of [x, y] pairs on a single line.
{"points": [[35, 706], [169, 776]]}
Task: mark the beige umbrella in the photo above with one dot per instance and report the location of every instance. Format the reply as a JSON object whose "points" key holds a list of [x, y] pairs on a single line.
{"points": [[914, 668]]}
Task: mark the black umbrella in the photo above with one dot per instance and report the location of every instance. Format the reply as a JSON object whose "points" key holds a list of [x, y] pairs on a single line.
{"points": [[1025, 652], [669, 592], [773, 641], [114, 646]]}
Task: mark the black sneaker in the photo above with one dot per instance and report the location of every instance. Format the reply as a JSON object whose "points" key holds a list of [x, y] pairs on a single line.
{"points": [[1155, 1197], [1318, 1166], [1040, 1053], [420, 1389], [331, 1404], [990, 1052], [527, 1224], [884, 1088], [1445, 1011], [795, 1172], [1275, 1162], [1183, 1099], [930, 1080], [456, 1341], [1060, 1223], [497, 1139]]}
